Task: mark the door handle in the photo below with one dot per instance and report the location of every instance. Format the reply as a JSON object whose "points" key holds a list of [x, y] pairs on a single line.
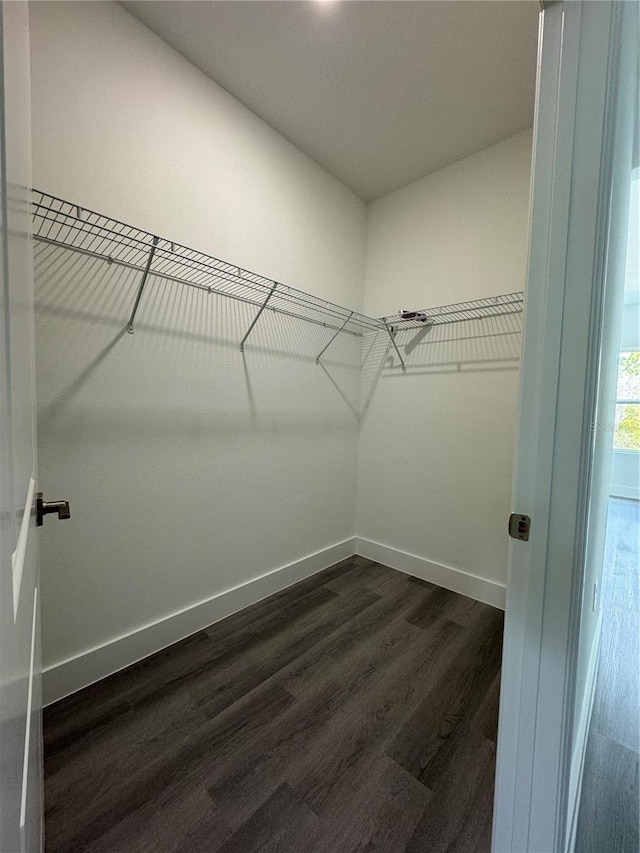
{"points": [[45, 507]]}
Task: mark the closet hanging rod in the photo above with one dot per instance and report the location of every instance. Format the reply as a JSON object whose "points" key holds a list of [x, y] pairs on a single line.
{"points": [[62, 223]]}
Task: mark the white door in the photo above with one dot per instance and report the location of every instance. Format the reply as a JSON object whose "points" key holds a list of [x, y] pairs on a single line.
{"points": [[585, 148], [20, 703]]}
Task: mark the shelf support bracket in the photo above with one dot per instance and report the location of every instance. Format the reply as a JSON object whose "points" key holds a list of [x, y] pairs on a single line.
{"points": [[143, 281], [334, 337], [257, 317], [395, 346]]}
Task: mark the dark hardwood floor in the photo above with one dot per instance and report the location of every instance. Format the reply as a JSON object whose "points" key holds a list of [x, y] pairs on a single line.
{"points": [[355, 711], [609, 817]]}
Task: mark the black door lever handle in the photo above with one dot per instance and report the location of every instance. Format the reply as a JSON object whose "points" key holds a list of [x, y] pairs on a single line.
{"points": [[45, 507]]}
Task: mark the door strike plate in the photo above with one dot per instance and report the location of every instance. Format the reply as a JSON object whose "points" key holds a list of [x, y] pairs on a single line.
{"points": [[519, 526]]}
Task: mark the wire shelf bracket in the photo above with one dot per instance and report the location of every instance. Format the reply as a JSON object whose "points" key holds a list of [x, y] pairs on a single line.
{"points": [[333, 338], [391, 333], [143, 281], [257, 317]]}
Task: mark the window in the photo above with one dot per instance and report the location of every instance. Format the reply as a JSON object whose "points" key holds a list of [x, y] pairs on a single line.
{"points": [[626, 434]]}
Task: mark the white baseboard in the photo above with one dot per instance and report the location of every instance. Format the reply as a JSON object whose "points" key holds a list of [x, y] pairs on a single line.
{"points": [[629, 492], [67, 676], [583, 724], [473, 586]]}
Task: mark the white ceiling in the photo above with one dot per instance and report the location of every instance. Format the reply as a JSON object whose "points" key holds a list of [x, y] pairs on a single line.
{"points": [[378, 93]]}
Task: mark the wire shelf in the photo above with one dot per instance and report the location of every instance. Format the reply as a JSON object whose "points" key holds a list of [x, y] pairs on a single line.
{"points": [[477, 309], [62, 223]]}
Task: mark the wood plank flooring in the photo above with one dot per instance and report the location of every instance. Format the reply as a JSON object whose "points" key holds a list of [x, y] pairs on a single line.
{"points": [[609, 817], [354, 711]]}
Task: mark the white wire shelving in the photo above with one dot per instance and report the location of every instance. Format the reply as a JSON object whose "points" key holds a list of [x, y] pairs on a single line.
{"points": [[460, 312], [62, 223]]}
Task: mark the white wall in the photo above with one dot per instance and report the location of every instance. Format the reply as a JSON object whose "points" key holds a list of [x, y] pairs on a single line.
{"points": [[436, 443], [124, 125], [189, 468]]}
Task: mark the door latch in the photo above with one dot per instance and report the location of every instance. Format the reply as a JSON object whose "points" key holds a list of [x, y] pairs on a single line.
{"points": [[519, 526], [45, 507]]}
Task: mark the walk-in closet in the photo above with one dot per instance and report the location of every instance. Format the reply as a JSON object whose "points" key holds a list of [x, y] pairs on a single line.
{"points": [[280, 253]]}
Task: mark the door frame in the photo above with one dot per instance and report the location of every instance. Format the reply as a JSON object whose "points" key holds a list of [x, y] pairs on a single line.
{"points": [[572, 173], [21, 789]]}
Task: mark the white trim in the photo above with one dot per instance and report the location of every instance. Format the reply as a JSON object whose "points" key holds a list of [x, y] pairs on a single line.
{"points": [[582, 737], [628, 492], [631, 489], [27, 733], [473, 586], [67, 676], [18, 556], [581, 147]]}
